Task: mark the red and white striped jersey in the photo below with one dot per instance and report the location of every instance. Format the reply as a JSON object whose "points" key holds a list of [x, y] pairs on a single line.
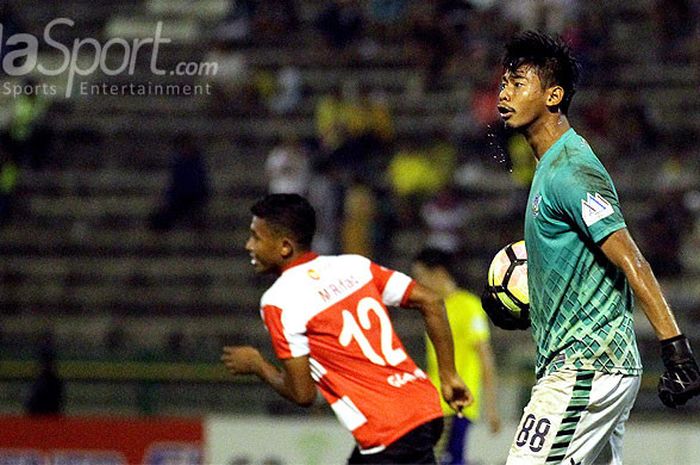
{"points": [[333, 309]]}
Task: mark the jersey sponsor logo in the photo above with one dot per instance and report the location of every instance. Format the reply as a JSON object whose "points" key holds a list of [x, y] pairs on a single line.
{"points": [[313, 274], [536, 201], [400, 379], [595, 208]]}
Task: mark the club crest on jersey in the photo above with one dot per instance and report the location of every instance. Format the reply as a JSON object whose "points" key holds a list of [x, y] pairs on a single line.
{"points": [[595, 208], [313, 274], [536, 201]]}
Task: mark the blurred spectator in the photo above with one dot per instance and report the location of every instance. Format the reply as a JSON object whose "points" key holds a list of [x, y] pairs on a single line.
{"points": [[455, 14], [443, 217], [597, 113], [237, 26], [665, 230], [341, 23], [176, 347], [413, 172], [483, 105], [46, 396], [413, 177], [360, 212], [275, 19], [330, 119], [670, 220], [435, 44], [369, 131], [233, 89], [545, 15], [387, 16], [676, 20], [370, 117], [443, 154], [633, 118], [463, 129], [354, 134], [115, 341], [9, 174], [589, 33], [11, 25], [287, 168], [27, 135], [326, 194], [385, 223], [522, 170], [288, 91], [188, 188], [522, 161]]}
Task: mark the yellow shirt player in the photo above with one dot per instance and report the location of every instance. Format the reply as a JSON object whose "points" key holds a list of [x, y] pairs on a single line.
{"points": [[473, 355]]}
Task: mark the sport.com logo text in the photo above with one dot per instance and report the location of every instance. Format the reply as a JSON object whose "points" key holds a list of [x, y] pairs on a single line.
{"points": [[22, 59]]}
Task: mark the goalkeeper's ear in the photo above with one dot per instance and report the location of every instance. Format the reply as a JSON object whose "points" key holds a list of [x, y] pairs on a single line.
{"points": [[499, 314]]}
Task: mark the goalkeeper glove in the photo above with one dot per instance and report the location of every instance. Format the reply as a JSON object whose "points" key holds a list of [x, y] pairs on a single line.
{"points": [[500, 315], [681, 380]]}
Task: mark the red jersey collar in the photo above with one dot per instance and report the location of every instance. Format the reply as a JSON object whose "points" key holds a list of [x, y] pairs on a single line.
{"points": [[301, 259]]}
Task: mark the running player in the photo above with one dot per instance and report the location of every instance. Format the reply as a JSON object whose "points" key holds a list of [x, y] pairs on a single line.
{"points": [[329, 326], [583, 267]]}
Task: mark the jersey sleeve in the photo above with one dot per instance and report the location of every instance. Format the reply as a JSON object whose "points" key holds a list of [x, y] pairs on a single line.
{"points": [[586, 196], [287, 341], [394, 286]]}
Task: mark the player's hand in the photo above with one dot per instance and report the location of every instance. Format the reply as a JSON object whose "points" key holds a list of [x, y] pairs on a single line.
{"points": [[500, 315], [494, 420], [242, 360], [455, 392], [681, 380]]}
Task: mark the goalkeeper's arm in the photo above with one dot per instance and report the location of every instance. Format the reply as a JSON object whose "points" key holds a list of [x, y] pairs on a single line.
{"points": [[681, 379]]}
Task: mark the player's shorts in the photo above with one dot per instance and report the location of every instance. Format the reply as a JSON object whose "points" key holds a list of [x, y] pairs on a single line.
{"points": [[575, 418]]}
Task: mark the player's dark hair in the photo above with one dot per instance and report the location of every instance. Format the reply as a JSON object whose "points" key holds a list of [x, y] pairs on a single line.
{"points": [[432, 258], [551, 57], [291, 213]]}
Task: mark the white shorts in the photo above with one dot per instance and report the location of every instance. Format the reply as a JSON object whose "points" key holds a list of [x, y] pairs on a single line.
{"points": [[575, 418]]}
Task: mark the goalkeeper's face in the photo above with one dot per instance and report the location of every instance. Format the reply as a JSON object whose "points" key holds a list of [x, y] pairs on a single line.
{"points": [[266, 247], [522, 100]]}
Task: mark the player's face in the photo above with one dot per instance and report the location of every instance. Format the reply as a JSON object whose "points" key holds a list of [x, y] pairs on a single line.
{"points": [[521, 100], [264, 247]]}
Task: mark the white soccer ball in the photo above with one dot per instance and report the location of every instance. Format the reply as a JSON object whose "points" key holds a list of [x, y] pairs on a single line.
{"points": [[507, 278]]}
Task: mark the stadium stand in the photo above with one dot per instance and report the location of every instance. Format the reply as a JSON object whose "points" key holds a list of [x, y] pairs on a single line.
{"points": [[78, 261]]}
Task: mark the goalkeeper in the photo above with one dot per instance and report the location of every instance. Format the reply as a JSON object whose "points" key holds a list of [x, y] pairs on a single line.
{"points": [[583, 268]]}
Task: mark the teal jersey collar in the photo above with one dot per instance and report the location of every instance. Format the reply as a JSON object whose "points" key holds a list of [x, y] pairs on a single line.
{"points": [[556, 146]]}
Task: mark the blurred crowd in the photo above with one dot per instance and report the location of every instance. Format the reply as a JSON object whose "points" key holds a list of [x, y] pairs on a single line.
{"points": [[370, 176], [368, 180]]}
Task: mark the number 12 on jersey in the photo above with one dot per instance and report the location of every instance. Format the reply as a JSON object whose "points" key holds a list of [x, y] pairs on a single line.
{"points": [[354, 331]]}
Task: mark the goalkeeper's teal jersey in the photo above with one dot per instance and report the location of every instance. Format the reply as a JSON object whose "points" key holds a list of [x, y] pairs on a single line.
{"points": [[580, 303]]}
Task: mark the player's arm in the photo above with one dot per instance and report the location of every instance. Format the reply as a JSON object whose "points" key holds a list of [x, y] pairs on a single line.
{"points": [[292, 382], [681, 380], [490, 380], [622, 251], [432, 308]]}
